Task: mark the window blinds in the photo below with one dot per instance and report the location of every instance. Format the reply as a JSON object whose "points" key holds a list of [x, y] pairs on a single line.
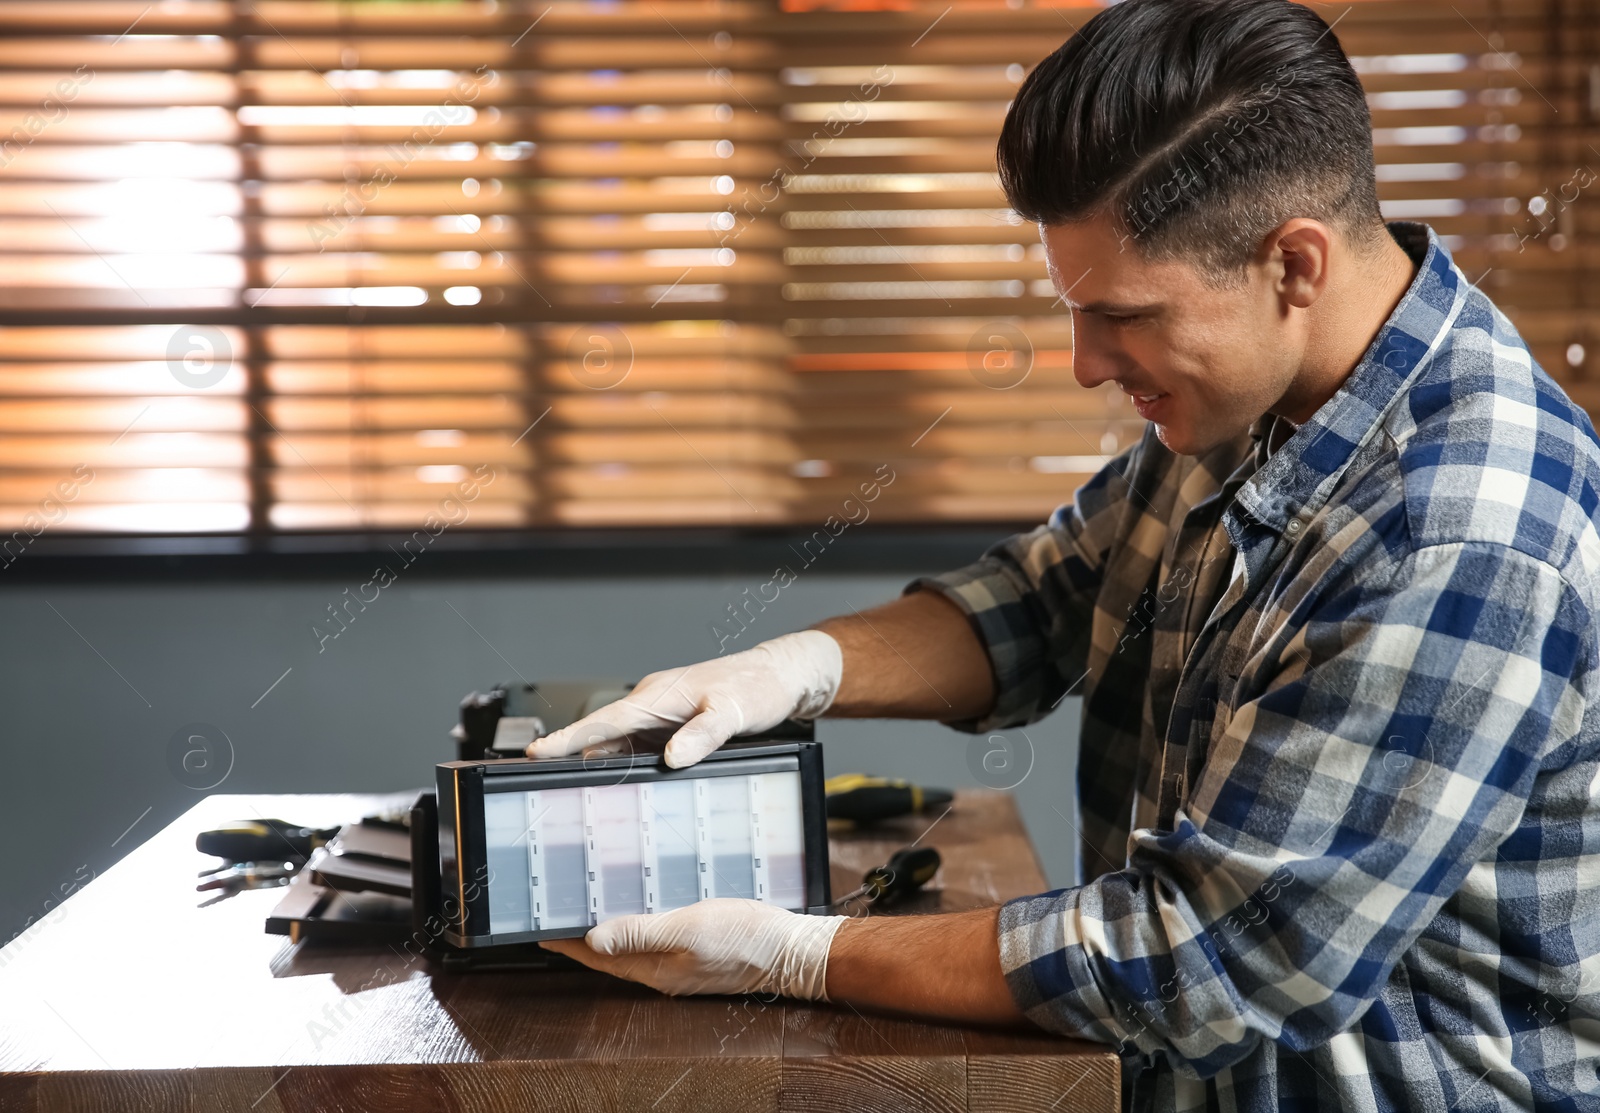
{"points": [[296, 265]]}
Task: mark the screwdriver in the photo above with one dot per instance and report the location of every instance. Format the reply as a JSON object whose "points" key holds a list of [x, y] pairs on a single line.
{"points": [[251, 840], [905, 873], [863, 799]]}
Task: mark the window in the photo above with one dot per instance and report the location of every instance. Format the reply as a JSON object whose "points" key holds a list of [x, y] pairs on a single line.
{"points": [[296, 265]]}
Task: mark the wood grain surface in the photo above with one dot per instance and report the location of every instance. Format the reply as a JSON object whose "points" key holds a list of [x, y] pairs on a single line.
{"points": [[136, 993]]}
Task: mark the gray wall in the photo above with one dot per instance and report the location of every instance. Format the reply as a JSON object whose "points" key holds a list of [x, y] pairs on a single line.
{"points": [[99, 679]]}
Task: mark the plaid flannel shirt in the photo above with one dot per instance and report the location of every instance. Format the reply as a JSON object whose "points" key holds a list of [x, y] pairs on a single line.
{"points": [[1340, 761]]}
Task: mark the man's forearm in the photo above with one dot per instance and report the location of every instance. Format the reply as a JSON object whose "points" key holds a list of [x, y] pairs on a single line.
{"points": [[914, 658], [935, 966]]}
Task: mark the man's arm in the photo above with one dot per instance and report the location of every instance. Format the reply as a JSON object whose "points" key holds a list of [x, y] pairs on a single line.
{"points": [[933, 966], [884, 962], [914, 658], [921, 656]]}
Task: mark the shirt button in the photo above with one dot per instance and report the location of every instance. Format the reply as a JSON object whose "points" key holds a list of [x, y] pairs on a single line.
{"points": [[1294, 525]]}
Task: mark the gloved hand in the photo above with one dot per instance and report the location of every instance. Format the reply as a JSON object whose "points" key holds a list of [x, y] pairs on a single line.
{"points": [[723, 945], [794, 675]]}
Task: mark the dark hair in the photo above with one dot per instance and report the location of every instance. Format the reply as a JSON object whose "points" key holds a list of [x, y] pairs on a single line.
{"points": [[1198, 125]]}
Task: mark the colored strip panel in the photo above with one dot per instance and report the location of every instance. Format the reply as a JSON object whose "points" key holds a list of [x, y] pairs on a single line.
{"points": [[505, 839], [559, 886], [781, 840], [616, 856]]}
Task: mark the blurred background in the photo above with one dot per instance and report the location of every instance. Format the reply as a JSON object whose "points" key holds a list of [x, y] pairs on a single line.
{"points": [[357, 355]]}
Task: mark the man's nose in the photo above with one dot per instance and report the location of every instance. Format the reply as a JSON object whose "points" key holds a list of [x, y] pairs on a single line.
{"points": [[1092, 364]]}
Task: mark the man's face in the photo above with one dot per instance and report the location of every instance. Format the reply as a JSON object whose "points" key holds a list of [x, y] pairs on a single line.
{"points": [[1214, 358]]}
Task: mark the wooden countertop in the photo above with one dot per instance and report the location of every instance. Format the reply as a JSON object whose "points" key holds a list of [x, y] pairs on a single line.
{"points": [[132, 995]]}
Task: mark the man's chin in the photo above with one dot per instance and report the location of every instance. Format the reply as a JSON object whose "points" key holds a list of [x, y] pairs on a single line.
{"points": [[1179, 438], [1176, 439]]}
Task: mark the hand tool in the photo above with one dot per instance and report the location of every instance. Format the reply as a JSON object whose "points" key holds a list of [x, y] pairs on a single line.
{"points": [[863, 799], [905, 873], [263, 840]]}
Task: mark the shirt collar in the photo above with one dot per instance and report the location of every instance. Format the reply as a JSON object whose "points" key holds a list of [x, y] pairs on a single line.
{"points": [[1293, 481]]}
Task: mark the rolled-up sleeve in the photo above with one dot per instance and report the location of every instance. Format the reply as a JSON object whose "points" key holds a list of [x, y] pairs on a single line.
{"points": [[1356, 779], [1031, 598]]}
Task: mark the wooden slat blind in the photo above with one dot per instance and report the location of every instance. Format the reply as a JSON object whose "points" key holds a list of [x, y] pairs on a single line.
{"points": [[299, 265]]}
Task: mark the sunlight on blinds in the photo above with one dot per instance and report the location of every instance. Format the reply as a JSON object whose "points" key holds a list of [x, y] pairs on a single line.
{"points": [[297, 265]]}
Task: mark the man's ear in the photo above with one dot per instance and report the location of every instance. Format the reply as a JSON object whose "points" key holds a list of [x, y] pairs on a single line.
{"points": [[1298, 254]]}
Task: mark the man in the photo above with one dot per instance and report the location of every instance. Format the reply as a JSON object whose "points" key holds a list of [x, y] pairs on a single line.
{"points": [[1331, 620]]}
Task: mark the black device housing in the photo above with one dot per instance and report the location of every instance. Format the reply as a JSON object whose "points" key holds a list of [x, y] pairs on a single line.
{"points": [[543, 708], [458, 906], [428, 923]]}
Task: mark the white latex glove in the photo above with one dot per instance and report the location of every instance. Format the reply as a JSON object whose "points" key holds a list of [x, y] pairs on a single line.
{"points": [[794, 675], [723, 945]]}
